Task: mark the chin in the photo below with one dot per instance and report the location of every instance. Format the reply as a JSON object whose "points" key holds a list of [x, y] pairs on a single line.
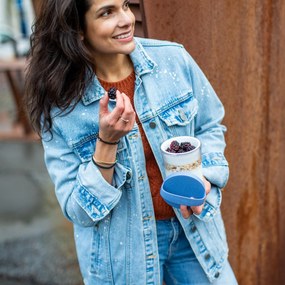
{"points": [[129, 48]]}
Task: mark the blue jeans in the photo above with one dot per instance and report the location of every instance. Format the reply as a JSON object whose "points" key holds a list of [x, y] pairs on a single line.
{"points": [[178, 263]]}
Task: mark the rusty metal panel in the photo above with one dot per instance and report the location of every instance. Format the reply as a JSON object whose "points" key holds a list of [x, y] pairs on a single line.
{"points": [[137, 8], [240, 47]]}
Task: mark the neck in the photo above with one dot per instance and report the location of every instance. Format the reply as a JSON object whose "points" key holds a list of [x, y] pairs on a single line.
{"points": [[113, 69]]}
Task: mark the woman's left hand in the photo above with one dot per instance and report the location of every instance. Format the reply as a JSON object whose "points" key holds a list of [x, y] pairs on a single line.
{"points": [[187, 211]]}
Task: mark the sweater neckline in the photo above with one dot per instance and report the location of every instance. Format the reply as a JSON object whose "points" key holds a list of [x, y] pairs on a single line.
{"points": [[103, 82]]}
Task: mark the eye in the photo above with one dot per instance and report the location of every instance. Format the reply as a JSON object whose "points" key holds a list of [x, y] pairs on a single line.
{"points": [[126, 4], [106, 13]]}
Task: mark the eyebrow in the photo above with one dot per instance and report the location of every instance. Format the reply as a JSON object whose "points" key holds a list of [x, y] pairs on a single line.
{"points": [[104, 8], [108, 7]]}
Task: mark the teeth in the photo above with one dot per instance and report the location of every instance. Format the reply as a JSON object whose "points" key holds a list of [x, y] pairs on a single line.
{"points": [[123, 36]]}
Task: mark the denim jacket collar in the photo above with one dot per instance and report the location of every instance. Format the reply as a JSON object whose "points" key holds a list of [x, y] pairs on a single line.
{"points": [[142, 64], [141, 60]]}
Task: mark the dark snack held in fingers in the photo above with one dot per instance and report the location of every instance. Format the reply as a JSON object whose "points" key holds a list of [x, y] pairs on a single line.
{"points": [[112, 93]]}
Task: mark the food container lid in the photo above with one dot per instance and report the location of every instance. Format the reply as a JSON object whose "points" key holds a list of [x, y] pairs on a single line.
{"points": [[183, 188]]}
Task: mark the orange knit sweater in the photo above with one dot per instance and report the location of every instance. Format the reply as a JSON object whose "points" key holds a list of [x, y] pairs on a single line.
{"points": [[161, 209]]}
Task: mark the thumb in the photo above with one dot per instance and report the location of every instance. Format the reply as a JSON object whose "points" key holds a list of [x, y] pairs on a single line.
{"points": [[197, 209], [104, 104]]}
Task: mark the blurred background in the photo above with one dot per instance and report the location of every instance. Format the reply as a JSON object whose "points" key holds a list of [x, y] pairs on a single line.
{"points": [[240, 47]]}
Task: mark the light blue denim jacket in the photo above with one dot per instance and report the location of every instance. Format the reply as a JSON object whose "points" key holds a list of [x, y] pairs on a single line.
{"points": [[114, 225]]}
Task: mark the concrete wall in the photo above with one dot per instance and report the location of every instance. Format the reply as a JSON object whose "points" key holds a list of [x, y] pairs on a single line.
{"points": [[240, 47]]}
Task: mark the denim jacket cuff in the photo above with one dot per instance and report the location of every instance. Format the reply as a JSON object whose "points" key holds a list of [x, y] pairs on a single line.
{"points": [[215, 168], [212, 204], [216, 171], [95, 195]]}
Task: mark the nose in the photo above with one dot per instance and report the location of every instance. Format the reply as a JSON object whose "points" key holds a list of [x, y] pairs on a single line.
{"points": [[126, 18]]}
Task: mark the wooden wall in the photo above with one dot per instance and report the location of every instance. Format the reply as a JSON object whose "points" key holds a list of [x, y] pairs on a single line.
{"points": [[240, 46]]}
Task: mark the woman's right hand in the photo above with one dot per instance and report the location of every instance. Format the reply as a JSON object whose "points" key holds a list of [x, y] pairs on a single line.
{"points": [[117, 123]]}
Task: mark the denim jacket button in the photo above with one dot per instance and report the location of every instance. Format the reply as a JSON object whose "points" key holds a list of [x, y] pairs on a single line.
{"points": [[193, 229], [207, 256], [152, 125], [217, 275]]}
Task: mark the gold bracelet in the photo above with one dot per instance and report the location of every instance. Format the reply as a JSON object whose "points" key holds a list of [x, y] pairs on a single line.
{"points": [[104, 162]]}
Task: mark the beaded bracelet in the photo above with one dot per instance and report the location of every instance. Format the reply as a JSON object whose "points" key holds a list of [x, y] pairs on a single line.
{"points": [[111, 143], [102, 166]]}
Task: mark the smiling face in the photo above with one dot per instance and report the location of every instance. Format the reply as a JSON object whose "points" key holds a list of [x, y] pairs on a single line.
{"points": [[109, 28]]}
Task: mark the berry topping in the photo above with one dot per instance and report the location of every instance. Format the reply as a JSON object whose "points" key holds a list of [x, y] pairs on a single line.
{"points": [[112, 93], [170, 150], [175, 147], [186, 146]]}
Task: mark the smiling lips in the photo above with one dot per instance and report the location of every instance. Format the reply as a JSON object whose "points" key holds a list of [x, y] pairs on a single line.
{"points": [[123, 36]]}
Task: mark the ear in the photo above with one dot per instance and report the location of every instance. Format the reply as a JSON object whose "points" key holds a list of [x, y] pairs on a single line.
{"points": [[81, 35]]}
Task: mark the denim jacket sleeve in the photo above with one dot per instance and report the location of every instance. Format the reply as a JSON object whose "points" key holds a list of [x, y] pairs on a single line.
{"points": [[83, 194], [210, 131]]}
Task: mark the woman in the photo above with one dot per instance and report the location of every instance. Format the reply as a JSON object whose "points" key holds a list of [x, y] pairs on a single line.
{"points": [[104, 155]]}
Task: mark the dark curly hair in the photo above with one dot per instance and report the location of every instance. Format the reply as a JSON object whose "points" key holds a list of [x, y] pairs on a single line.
{"points": [[58, 61]]}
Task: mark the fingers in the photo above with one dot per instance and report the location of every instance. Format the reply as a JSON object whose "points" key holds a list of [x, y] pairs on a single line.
{"points": [[123, 107], [104, 104], [207, 185], [124, 112], [118, 122], [120, 104], [197, 210], [128, 116], [185, 211]]}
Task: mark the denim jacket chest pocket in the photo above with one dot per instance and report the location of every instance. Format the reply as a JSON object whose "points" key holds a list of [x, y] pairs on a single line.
{"points": [[177, 115], [86, 147]]}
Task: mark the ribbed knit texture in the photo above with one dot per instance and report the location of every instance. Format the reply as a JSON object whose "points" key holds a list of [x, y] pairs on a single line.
{"points": [[161, 209]]}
